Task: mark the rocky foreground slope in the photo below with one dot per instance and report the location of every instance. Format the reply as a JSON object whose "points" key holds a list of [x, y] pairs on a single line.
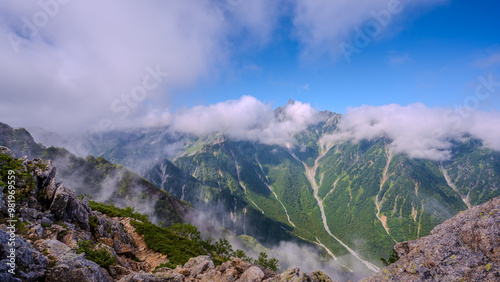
{"points": [[463, 248], [43, 225]]}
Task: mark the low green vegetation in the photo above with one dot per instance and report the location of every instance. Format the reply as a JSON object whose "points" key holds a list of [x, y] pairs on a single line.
{"points": [[13, 174], [113, 211], [266, 262], [180, 242], [99, 255], [392, 258]]}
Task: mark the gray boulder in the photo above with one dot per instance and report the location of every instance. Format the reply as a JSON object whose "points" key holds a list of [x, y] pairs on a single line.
{"points": [[67, 207], [73, 267], [30, 263], [156, 277], [198, 265], [52, 248], [30, 214], [252, 274]]}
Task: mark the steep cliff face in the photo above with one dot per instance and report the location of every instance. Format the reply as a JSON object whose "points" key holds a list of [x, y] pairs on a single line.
{"points": [[463, 248]]}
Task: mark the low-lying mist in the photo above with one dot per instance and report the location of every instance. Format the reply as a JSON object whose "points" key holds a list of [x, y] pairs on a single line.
{"points": [[212, 221]]}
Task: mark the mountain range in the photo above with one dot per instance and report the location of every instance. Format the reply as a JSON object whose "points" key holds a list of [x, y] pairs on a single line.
{"points": [[352, 199]]}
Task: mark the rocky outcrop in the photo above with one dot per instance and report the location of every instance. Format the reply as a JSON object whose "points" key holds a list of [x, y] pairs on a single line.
{"points": [[66, 207], [49, 222], [6, 151], [202, 269], [112, 233], [295, 275], [29, 263], [463, 248], [159, 276], [73, 267], [254, 273]]}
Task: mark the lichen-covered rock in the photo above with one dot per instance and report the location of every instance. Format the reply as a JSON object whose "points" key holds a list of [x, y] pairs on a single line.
{"points": [[252, 274], [465, 247], [6, 151], [210, 275], [52, 248], [156, 277], [5, 276], [294, 275], [73, 267], [31, 215], [45, 177], [118, 271], [240, 265], [198, 265], [66, 206], [30, 263], [35, 232], [111, 232], [319, 276], [179, 269]]}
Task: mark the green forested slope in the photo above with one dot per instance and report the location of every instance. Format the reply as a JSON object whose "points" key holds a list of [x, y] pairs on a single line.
{"points": [[372, 197]]}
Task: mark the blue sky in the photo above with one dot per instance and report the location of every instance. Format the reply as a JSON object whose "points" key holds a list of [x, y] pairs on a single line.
{"points": [[74, 65], [429, 55]]}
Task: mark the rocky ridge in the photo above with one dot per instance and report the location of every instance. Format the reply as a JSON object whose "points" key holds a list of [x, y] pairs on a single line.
{"points": [[50, 221], [463, 248]]}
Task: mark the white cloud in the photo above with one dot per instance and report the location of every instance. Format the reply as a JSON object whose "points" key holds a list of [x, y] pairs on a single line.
{"points": [[417, 130], [246, 119], [492, 59], [68, 65], [67, 62], [322, 25]]}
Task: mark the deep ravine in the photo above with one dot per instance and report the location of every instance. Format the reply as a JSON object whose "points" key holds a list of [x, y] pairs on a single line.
{"points": [[242, 184], [272, 191], [310, 173]]}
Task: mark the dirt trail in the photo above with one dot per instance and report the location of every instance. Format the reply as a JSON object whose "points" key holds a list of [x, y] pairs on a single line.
{"points": [[142, 251]]}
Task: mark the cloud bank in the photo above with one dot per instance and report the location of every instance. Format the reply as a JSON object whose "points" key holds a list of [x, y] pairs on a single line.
{"points": [[68, 65], [417, 130], [246, 119]]}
